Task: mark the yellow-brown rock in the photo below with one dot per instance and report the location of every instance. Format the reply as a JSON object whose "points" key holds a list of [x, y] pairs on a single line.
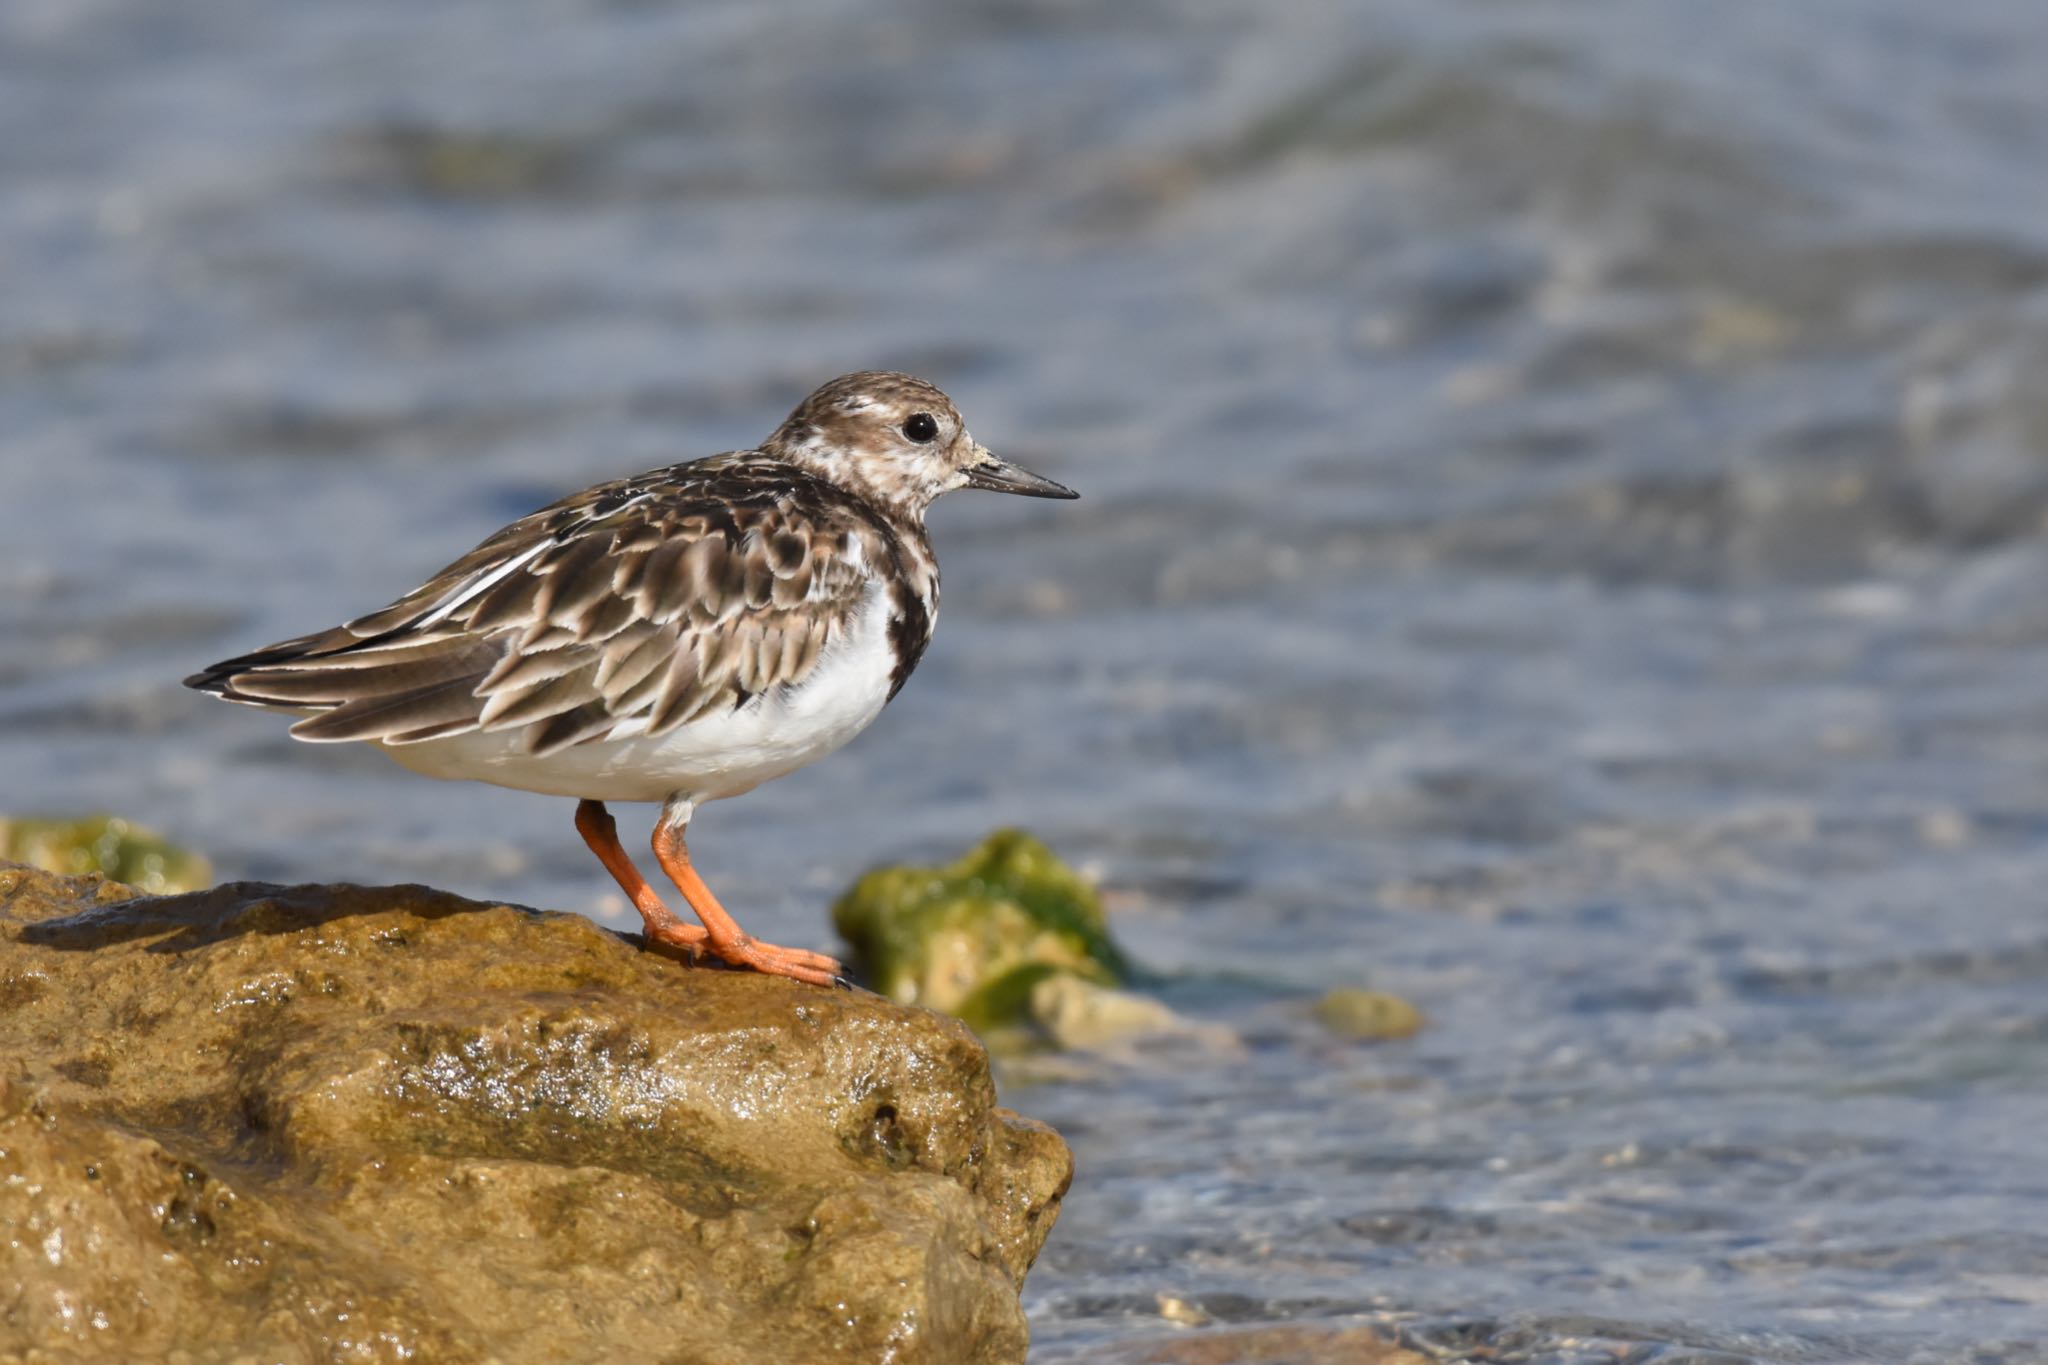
{"points": [[1273, 1344], [1349, 1012], [338, 1123]]}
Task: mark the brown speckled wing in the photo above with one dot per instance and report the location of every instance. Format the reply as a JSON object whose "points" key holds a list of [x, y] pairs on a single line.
{"points": [[635, 606]]}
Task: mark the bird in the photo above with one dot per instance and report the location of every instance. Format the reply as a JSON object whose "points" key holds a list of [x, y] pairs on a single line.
{"points": [[679, 636]]}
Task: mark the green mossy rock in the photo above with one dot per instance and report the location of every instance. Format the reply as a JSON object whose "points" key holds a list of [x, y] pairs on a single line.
{"points": [[105, 844], [1357, 1014], [977, 939], [328, 1123]]}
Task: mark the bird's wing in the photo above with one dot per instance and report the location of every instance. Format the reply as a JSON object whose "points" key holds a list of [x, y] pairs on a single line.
{"points": [[631, 608]]}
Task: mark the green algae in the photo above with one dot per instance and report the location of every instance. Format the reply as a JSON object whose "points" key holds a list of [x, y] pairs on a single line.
{"points": [[976, 939], [1348, 1012], [106, 844]]}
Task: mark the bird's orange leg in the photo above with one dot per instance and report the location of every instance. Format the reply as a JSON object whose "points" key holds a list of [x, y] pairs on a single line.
{"points": [[723, 935], [598, 829]]}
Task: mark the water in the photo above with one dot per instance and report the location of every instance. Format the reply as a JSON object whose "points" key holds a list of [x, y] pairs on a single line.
{"points": [[1563, 540]]}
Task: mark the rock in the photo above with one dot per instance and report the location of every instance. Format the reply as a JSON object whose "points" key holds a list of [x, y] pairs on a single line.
{"points": [[1011, 940], [367, 1124], [1351, 1013], [463, 164], [1180, 1312], [106, 844], [1068, 1012], [1273, 1344], [976, 939]]}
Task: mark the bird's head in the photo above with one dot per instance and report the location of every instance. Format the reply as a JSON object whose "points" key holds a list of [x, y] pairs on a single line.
{"points": [[896, 440]]}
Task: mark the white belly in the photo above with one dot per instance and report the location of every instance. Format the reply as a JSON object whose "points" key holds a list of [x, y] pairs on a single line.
{"points": [[709, 758]]}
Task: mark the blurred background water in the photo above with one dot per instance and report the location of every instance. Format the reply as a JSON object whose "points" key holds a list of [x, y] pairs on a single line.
{"points": [[1565, 489]]}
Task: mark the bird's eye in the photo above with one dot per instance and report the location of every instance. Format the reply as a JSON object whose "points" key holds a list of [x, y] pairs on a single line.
{"points": [[920, 427]]}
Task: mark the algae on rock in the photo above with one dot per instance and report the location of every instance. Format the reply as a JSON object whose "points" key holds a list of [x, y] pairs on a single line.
{"points": [[977, 939], [106, 844], [317, 1123], [1349, 1012]]}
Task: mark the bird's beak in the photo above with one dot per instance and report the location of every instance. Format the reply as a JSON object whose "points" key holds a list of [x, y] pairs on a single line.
{"points": [[1000, 476]]}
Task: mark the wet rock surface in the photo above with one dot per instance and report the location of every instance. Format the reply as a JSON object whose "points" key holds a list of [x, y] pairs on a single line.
{"points": [[338, 1122]]}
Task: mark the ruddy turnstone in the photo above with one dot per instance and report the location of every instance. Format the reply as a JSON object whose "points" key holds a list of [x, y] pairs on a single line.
{"points": [[679, 636]]}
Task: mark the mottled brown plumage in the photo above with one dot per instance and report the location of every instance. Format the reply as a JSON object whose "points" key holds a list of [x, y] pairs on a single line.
{"points": [[640, 604], [682, 635]]}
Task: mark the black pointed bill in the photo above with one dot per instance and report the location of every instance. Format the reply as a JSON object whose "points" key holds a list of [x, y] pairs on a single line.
{"points": [[1000, 476]]}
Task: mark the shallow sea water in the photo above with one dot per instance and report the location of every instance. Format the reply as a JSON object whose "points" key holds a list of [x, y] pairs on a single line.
{"points": [[1563, 540]]}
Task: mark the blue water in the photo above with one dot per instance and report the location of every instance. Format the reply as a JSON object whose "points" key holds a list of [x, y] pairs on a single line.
{"points": [[1563, 540]]}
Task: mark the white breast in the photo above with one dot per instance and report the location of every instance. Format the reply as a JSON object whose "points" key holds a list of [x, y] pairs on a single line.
{"points": [[707, 759]]}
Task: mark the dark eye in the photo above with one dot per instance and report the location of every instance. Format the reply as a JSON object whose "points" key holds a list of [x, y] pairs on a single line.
{"points": [[920, 427]]}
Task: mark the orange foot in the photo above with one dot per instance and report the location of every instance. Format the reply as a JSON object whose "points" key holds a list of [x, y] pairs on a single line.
{"points": [[665, 930], [721, 936], [800, 963]]}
